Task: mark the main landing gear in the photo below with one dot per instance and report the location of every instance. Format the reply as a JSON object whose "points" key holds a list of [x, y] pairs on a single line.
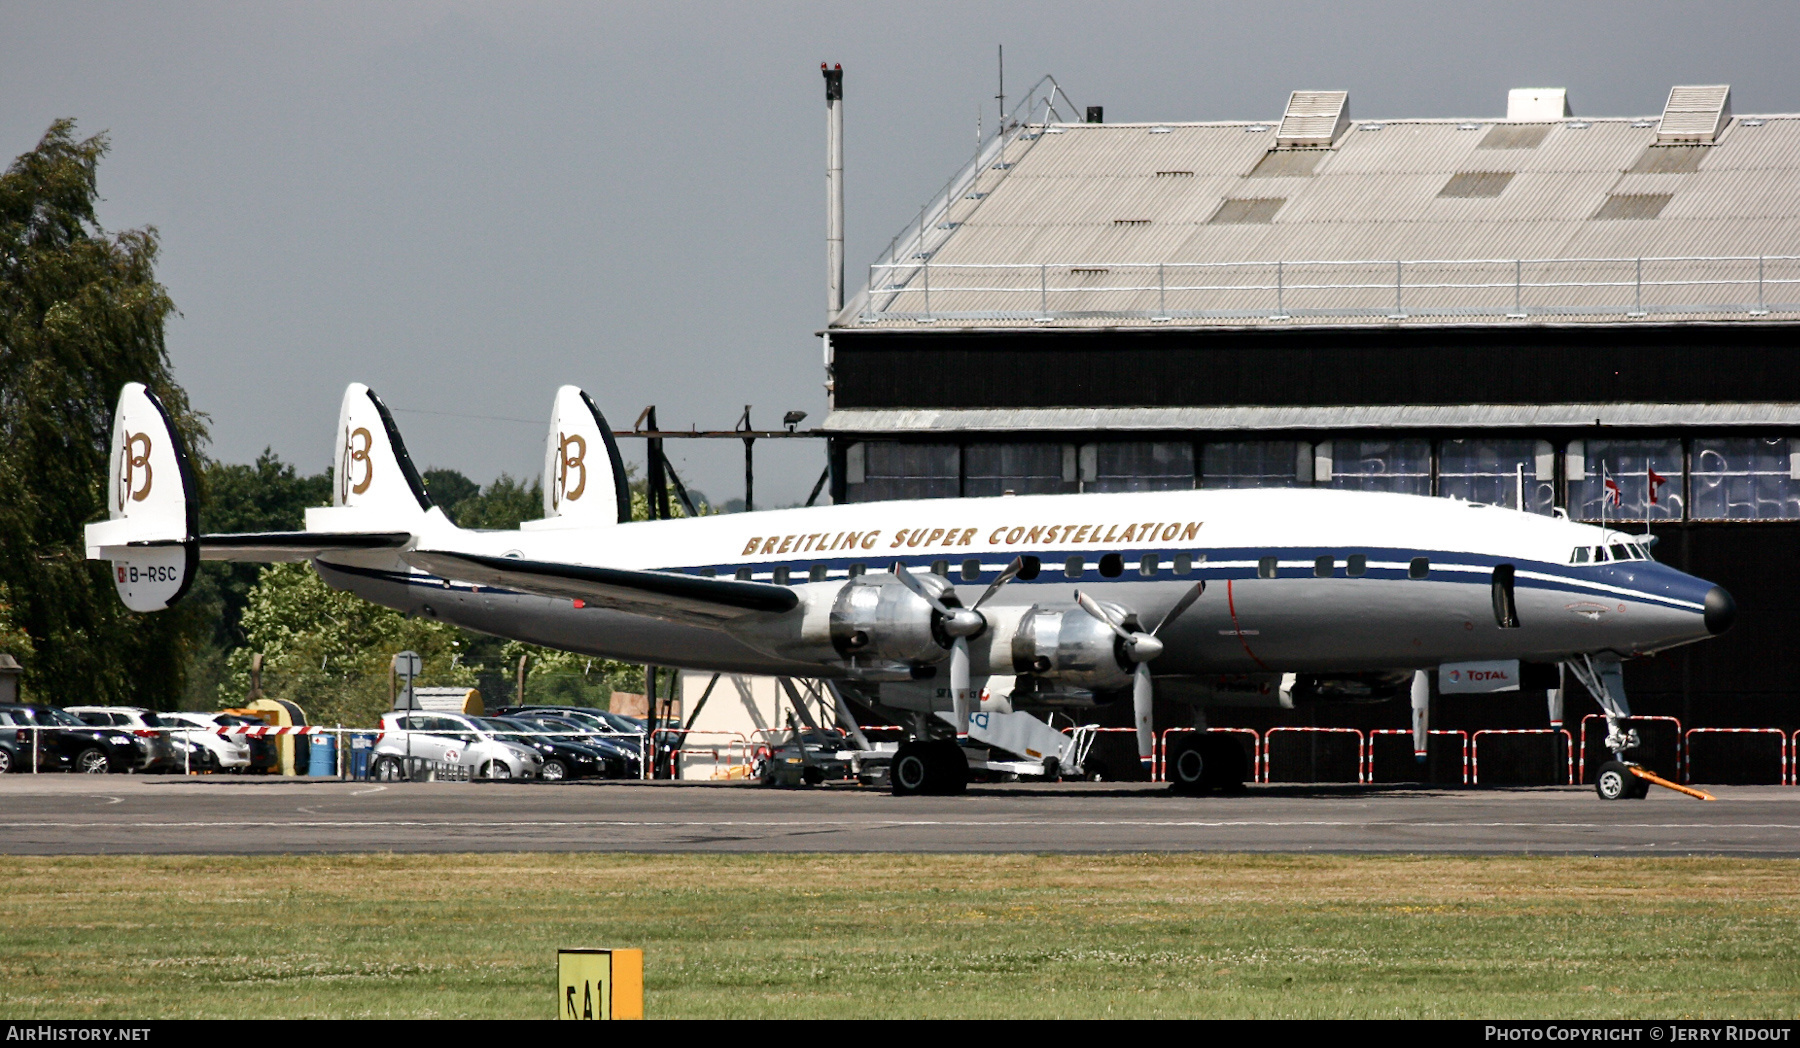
{"points": [[1616, 782], [1201, 763], [935, 767]]}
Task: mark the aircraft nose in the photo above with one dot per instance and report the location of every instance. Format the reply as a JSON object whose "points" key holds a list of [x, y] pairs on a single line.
{"points": [[1720, 610]]}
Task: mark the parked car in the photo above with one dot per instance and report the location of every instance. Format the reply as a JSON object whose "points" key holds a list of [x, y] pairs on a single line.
{"points": [[163, 751], [605, 722], [449, 738], [264, 757], [806, 757], [620, 756], [64, 743], [209, 751], [564, 754]]}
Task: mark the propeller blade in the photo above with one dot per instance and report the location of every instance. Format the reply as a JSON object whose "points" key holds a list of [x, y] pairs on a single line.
{"points": [[1092, 607], [1011, 572], [959, 683], [1182, 605], [1140, 707], [919, 590]]}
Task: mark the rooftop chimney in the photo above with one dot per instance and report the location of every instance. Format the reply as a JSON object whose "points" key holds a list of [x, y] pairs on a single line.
{"points": [[1314, 118], [834, 188], [1695, 114]]}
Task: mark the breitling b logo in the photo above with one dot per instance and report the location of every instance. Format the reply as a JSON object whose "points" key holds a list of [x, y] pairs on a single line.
{"points": [[134, 467], [571, 455], [356, 452]]}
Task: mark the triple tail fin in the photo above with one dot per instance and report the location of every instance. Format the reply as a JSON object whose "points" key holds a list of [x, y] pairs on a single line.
{"points": [[375, 486], [152, 509], [584, 477]]}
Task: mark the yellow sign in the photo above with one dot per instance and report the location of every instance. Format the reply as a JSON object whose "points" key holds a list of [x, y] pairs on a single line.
{"points": [[599, 984]]}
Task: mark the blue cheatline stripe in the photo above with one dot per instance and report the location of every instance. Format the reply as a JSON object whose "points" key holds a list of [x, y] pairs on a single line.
{"points": [[1388, 564]]}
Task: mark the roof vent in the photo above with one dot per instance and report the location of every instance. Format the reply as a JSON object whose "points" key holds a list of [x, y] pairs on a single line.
{"points": [[1537, 103], [1314, 118], [1695, 114]]}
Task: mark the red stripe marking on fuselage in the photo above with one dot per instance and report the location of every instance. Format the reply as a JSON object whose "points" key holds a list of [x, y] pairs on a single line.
{"points": [[1231, 605]]}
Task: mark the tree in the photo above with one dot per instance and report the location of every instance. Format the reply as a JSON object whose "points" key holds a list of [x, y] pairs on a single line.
{"points": [[81, 314], [267, 496]]}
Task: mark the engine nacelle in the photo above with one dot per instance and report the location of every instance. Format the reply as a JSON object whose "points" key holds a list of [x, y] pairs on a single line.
{"points": [[1065, 644], [876, 621]]}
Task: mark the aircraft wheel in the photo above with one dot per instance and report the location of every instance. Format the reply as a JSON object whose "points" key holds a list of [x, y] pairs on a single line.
{"points": [[1614, 782], [1638, 788], [952, 772], [1225, 769], [1188, 767], [910, 773]]}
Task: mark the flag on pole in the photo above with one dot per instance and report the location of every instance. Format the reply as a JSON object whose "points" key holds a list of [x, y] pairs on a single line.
{"points": [[1652, 481], [1613, 494]]}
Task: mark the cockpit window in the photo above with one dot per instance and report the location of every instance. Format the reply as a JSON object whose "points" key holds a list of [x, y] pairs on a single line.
{"points": [[1619, 552], [1580, 556]]}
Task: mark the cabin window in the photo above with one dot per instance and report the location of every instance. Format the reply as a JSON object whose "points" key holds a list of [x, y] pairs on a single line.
{"points": [[1356, 565], [940, 567], [1266, 567], [1580, 556], [708, 572], [743, 574], [1112, 565], [1184, 563], [818, 573], [1072, 567], [1148, 565], [1419, 568], [781, 575], [1323, 567], [857, 569], [1029, 568], [971, 570]]}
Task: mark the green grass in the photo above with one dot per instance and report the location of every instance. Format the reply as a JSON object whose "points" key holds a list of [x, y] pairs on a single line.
{"points": [[911, 936]]}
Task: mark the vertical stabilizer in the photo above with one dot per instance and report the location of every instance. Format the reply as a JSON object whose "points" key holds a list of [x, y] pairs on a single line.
{"points": [[584, 477], [375, 486], [153, 513]]}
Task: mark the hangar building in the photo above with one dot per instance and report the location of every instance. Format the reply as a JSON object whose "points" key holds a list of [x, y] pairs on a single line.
{"points": [[1510, 310]]}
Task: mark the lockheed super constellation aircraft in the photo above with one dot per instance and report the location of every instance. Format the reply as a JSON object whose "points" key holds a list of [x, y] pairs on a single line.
{"points": [[1228, 597]]}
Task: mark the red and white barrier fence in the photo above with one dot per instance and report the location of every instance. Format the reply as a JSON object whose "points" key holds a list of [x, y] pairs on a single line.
{"points": [[1785, 749], [1475, 749], [1160, 767], [1369, 751], [1269, 739]]}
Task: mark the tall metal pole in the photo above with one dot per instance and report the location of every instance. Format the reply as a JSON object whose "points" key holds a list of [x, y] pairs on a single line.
{"points": [[749, 462], [834, 188], [656, 478]]}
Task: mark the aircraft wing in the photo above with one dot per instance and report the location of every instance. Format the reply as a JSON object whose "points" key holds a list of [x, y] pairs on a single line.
{"points": [[270, 546], [658, 594]]}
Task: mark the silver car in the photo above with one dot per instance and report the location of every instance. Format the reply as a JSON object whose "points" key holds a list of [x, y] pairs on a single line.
{"points": [[447, 738], [207, 749]]}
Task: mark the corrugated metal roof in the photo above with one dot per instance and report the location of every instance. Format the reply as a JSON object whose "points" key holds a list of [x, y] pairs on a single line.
{"points": [[1108, 225], [901, 422]]}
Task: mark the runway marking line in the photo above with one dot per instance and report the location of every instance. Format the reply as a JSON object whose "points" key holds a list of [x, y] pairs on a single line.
{"points": [[884, 823]]}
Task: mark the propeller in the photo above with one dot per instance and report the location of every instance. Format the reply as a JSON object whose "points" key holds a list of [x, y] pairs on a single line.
{"points": [[959, 624], [1140, 648]]}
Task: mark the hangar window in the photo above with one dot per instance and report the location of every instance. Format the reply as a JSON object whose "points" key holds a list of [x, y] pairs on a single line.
{"points": [[1514, 136], [1323, 567], [817, 574], [1402, 466], [1267, 567], [1287, 163], [1251, 212], [1138, 466], [1024, 469], [1745, 478], [1256, 464], [879, 470], [1419, 568], [1356, 565], [1488, 471], [1112, 565], [1634, 467], [1633, 205], [1148, 565], [1669, 160], [1184, 563], [1072, 567], [1472, 184]]}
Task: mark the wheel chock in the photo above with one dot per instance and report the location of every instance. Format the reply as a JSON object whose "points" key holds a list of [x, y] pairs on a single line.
{"points": [[1651, 776]]}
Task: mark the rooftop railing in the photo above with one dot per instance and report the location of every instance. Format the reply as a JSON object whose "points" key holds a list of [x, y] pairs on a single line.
{"points": [[925, 291]]}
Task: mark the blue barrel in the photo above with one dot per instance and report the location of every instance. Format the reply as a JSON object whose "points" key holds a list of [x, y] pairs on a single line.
{"points": [[323, 756], [362, 747]]}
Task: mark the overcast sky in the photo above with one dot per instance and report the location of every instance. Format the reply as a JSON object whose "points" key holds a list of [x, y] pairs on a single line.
{"points": [[465, 205]]}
